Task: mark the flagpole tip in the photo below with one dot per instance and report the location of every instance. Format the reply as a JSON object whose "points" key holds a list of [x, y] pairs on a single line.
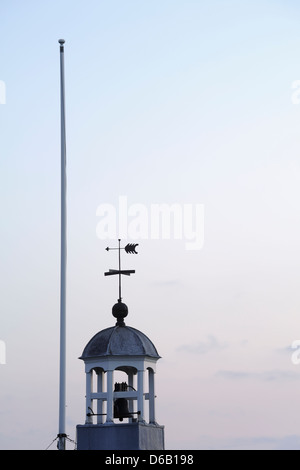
{"points": [[61, 41]]}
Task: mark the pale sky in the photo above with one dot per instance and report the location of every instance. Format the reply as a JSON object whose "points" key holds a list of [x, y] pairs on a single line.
{"points": [[186, 102]]}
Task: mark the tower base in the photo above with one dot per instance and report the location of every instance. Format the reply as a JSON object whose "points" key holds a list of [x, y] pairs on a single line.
{"points": [[127, 436]]}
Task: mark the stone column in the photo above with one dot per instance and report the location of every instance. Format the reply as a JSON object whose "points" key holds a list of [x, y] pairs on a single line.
{"points": [[110, 401], [140, 390], [151, 396], [130, 401], [88, 400], [100, 376]]}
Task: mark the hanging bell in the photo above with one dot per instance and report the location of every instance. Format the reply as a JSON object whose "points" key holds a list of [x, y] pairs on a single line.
{"points": [[121, 410]]}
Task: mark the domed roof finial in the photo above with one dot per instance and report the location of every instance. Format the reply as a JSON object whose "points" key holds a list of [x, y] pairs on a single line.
{"points": [[120, 310]]}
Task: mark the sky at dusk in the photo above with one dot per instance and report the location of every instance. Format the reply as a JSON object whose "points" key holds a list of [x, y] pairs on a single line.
{"points": [[188, 106]]}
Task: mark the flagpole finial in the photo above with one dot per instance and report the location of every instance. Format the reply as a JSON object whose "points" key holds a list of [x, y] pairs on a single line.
{"points": [[61, 41]]}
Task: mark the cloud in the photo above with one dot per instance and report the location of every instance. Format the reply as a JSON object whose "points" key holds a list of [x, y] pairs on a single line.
{"points": [[203, 347], [206, 442], [287, 349], [265, 376], [290, 442]]}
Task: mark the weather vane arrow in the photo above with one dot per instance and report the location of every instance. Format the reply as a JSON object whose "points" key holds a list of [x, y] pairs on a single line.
{"points": [[129, 248]]}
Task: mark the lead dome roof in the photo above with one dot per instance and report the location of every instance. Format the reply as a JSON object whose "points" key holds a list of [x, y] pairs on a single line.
{"points": [[119, 341]]}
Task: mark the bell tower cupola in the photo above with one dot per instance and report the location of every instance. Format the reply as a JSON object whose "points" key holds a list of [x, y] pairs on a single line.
{"points": [[120, 366]]}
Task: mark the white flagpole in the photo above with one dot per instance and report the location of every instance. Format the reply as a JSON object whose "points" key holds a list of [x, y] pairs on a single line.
{"points": [[63, 254]]}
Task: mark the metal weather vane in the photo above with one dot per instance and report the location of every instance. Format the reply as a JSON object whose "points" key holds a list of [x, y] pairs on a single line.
{"points": [[129, 248]]}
